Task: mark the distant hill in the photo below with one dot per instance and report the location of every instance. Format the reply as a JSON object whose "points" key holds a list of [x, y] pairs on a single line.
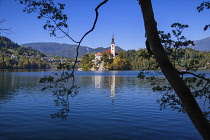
{"points": [[66, 50], [202, 45], [14, 56], [8, 47]]}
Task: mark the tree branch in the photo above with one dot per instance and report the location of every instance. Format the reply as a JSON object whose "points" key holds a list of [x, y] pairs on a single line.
{"points": [[4, 30], [188, 101], [93, 27], [187, 72]]}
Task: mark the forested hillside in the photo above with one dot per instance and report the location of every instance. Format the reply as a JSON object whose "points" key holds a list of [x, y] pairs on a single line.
{"points": [[13, 55], [141, 59]]}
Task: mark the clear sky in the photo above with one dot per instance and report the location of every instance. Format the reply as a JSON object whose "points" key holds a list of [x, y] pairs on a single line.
{"points": [[122, 18]]}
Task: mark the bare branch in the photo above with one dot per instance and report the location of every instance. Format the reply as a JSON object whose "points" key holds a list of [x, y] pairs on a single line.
{"points": [[6, 31], [93, 27], [56, 20], [196, 75]]}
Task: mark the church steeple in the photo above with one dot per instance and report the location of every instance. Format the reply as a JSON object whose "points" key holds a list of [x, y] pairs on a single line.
{"points": [[112, 40], [113, 47]]}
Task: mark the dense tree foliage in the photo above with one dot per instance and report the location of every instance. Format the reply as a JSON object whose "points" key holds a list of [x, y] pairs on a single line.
{"points": [[120, 62], [14, 56], [86, 62], [107, 61], [190, 58], [140, 59]]}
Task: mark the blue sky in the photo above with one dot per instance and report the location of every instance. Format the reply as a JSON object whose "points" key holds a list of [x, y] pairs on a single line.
{"points": [[122, 18]]}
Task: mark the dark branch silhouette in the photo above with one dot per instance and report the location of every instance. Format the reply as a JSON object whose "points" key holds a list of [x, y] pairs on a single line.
{"points": [[47, 9], [201, 7], [4, 30]]}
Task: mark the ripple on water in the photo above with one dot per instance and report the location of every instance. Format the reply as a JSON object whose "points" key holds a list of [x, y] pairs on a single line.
{"points": [[107, 107]]}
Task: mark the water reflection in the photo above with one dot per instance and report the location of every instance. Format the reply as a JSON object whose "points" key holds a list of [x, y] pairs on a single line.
{"points": [[15, 83], [12, 82], [5, 81], [110, 83], [91, 115], [98, 81]]}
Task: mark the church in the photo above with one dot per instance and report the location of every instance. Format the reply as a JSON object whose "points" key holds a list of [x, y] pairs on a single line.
{"points": [[110, 52]]}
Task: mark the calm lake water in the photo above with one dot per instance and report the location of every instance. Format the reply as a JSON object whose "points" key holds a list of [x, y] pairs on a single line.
{"points": [[110, 105]]}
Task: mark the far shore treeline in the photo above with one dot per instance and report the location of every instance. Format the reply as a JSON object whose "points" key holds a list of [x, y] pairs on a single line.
{"points": [[14, 56]]}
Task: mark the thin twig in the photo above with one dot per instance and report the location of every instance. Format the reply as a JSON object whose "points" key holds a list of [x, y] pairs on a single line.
{"points": [[93, 27], [187, 72]]}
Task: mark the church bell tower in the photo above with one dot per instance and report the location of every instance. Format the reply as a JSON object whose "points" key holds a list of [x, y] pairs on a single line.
{"points": [[113, 47]]}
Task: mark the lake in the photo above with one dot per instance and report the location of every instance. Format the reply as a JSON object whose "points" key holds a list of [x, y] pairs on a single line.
{"points": [[110, 105]]}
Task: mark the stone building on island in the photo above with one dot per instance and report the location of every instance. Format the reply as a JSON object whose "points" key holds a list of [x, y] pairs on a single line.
{"points": [[111, 52]]}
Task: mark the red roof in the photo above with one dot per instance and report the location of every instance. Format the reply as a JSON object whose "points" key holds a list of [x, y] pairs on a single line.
{"points": [[99, 53], [109, 52]]}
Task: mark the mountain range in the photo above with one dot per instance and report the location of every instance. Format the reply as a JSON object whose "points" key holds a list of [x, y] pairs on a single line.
{"points": [[67, 50], [202, 45]]}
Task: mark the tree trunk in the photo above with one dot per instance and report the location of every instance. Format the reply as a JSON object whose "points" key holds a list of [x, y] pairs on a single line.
{"points": [[188, 101]]}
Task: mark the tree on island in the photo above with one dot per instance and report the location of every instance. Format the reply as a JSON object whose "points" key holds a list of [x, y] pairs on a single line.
{"points": [[56, 20], [120, 62], [86, 62]]}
